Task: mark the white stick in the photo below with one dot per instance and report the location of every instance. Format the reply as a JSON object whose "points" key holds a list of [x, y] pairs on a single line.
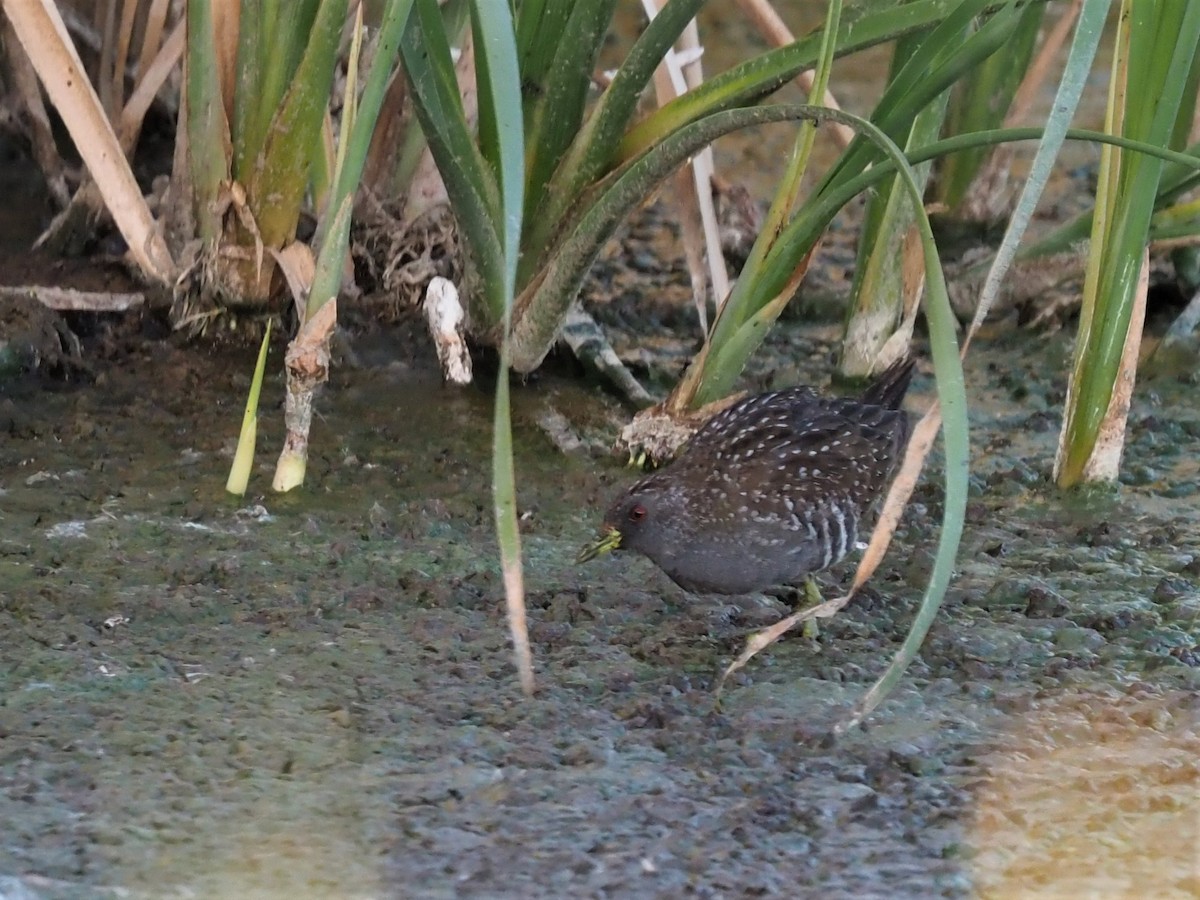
{"points": [[444, 314]]}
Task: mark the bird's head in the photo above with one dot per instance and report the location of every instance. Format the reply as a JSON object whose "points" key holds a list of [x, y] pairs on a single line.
{"points": [[639, 520]]}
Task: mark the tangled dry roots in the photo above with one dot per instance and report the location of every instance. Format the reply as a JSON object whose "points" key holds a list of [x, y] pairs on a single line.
{"points": [[395, 260]]}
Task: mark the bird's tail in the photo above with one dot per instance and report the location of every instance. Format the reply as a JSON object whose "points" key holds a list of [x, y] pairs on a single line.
{"points": [[889, 388]]}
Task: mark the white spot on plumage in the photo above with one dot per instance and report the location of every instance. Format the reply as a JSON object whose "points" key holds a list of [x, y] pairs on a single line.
{"points": [[839, 519], [826, 543]]}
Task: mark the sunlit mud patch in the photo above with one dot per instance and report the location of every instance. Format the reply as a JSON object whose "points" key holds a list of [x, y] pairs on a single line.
{"points": [[276, 854], [1095, 795]]}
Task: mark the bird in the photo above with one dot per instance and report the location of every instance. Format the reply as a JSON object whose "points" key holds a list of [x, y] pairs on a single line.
{"points": [[774, 488]]}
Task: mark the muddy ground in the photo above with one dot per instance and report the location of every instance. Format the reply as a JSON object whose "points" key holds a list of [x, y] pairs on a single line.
{"points": [[313, 695]]}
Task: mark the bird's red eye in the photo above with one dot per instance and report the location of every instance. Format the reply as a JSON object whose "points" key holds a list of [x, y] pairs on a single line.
{"points": [[637, 513]]}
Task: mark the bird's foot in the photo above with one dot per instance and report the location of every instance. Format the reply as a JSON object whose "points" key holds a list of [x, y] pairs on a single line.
{"points": [[812, 594]]}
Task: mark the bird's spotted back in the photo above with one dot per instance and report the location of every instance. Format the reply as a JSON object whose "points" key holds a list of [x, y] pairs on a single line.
{"points": [[795, 446]]}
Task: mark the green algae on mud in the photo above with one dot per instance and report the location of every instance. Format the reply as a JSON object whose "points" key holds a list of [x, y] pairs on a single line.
{"points": [[313, 694]]}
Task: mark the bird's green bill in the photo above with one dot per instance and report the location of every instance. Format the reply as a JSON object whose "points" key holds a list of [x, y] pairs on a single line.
{"points": [[606, 543]]}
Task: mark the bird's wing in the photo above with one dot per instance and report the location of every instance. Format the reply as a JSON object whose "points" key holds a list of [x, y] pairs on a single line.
{"points": [[748, 421], [829, 448]]}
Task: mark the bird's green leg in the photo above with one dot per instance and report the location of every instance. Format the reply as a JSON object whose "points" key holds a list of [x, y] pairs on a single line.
{"points": [[812, 593]]}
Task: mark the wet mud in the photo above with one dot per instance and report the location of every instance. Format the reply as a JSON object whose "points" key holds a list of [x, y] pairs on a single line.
{"points": [[313, 695]]}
